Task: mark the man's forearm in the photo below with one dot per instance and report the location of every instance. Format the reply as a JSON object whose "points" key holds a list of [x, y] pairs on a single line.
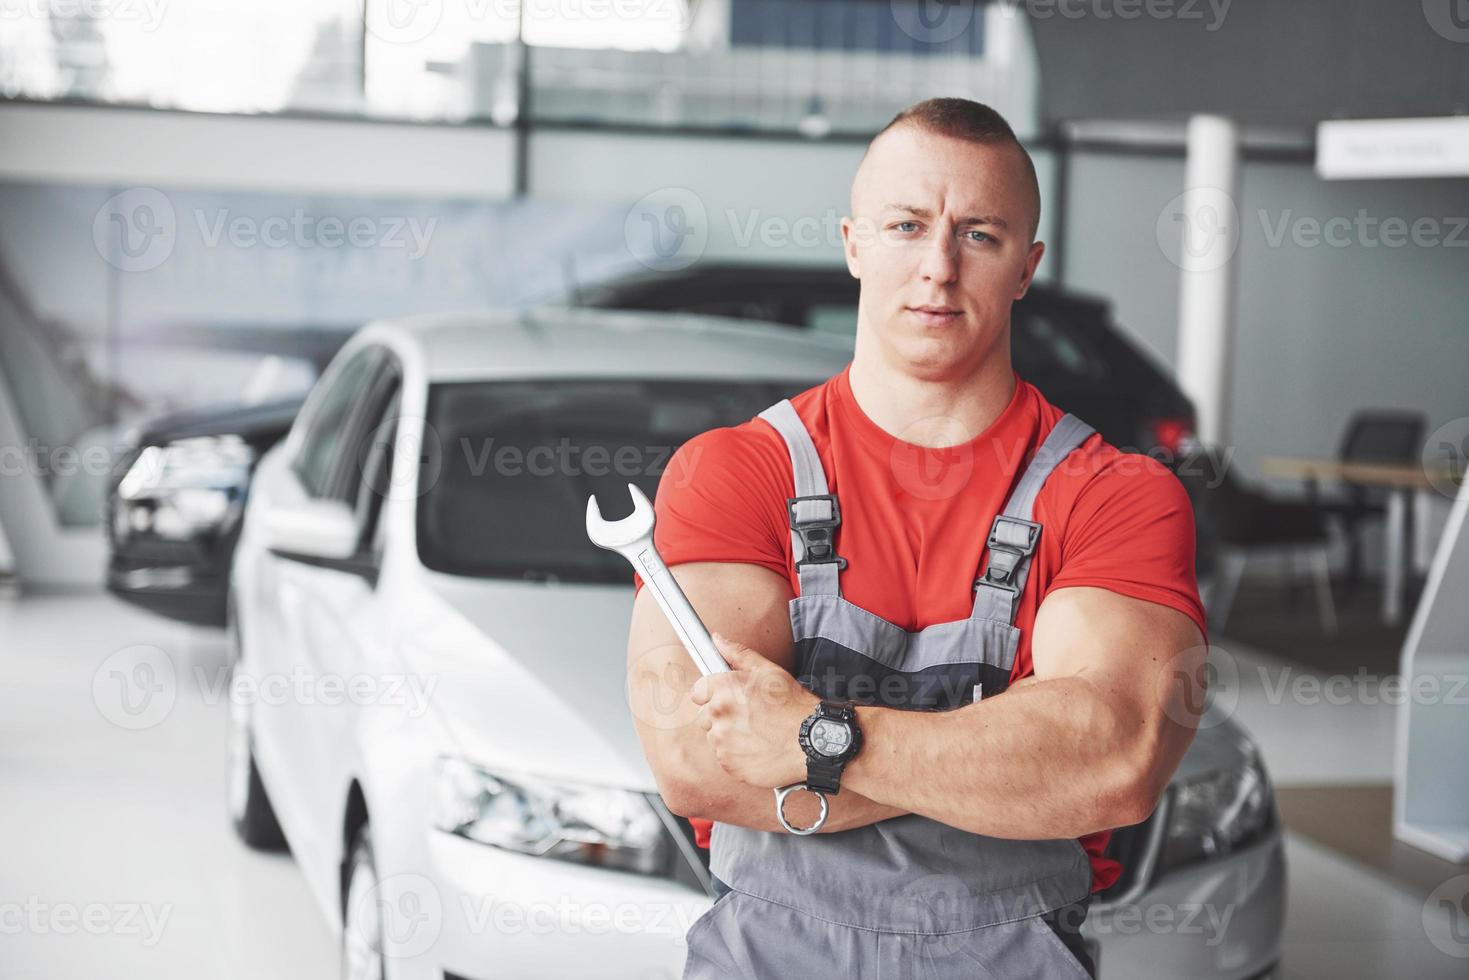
{"points": [[734, 802], [1047, 759]]}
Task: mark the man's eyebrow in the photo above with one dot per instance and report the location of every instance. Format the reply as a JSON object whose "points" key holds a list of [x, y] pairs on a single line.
{"points": [[979, 219]]}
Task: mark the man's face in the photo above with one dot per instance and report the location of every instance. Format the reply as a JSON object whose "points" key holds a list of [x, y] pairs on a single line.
{"points": [[940, 237]]}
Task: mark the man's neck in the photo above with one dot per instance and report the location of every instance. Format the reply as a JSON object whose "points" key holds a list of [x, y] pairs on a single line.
{"points": [[933, 413]]}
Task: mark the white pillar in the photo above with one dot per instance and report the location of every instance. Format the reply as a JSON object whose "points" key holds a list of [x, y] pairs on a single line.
{"points": [[1206, 300]]}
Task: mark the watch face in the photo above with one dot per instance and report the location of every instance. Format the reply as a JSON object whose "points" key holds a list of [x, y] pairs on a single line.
{"points": [[830, 738]]}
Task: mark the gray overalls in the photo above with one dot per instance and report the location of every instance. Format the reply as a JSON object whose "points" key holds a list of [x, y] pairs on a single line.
{"points": [[907, 898]]}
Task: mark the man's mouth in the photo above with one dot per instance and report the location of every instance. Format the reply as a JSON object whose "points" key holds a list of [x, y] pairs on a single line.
{"points": [[936, 314]]}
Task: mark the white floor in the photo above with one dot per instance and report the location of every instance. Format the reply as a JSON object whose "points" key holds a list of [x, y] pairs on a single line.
{"points": [[117, 859]]}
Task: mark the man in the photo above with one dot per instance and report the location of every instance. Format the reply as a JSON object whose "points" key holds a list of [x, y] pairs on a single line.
{"points": [[954, 542]]}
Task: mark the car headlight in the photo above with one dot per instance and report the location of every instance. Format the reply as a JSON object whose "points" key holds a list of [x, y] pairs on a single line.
{"points": [[177, 490], [596, 825], [195, 463], [1211, 815]]}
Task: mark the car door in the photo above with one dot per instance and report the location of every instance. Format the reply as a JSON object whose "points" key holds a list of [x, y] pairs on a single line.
{"points": [[287, 676], [336, 615]]}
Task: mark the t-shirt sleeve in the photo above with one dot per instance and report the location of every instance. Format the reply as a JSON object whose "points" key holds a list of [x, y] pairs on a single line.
{"points": [[720, 498], [1131, 531]]}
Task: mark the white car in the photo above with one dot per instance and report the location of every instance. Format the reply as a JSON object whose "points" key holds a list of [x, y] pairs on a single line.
{"points": [[428, 702]]}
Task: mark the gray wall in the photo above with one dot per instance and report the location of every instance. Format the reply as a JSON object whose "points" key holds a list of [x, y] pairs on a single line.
{"points": [[1322, 329]]}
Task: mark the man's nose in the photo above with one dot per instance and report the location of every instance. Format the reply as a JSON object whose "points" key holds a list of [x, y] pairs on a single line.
{"points": [[940, 258]]}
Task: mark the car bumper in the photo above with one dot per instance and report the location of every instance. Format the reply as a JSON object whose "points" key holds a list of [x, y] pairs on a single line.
{"points": [[1222, 920], [514, 917]]}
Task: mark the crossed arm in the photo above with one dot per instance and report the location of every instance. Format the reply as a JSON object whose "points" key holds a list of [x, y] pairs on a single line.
{"points": [[1086, 744]]}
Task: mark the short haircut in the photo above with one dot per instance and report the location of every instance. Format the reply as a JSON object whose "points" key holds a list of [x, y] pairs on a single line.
{"points": [[975, 122]]}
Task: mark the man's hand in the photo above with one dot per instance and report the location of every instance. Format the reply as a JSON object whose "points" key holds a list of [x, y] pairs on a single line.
{"points": [[752, 715]]}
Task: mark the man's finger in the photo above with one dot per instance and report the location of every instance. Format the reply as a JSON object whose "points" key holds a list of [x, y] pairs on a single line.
{"points": [[699, 693]]}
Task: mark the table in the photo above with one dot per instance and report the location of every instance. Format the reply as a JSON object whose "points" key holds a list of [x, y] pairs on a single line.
{"points": [[1401, 483]]}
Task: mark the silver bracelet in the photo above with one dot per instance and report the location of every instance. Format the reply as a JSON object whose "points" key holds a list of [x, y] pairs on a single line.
{"points": [[781, 792]]}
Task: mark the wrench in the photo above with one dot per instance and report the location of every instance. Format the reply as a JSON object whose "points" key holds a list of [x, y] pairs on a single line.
{"points": [[632, 538]]}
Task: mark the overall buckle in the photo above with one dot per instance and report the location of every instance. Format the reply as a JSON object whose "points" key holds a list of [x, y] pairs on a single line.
{"points": [[817, 539], [1011, 541]]}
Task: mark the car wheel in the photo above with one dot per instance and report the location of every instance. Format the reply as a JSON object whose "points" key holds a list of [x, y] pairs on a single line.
{"points": [[362, 926], [249, 807]]}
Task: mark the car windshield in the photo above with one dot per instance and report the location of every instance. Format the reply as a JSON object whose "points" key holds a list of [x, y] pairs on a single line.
{"points": [[508, 476]]}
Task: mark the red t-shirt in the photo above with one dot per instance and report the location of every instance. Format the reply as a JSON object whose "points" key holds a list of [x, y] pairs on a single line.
{"points": [[915, 520]]}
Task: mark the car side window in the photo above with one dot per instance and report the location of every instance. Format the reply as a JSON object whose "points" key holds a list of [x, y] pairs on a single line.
{"points": [[322, 442], [371, 481]]}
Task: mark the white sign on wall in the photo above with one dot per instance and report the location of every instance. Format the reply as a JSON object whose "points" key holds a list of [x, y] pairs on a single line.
{"points": [[1348, 149]]}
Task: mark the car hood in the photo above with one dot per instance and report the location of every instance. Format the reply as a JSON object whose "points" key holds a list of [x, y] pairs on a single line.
{"points": [[533, 678]]}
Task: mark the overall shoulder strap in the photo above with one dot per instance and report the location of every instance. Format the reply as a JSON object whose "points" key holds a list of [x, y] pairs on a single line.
{"points": [[814, 514], [1014, 536]]}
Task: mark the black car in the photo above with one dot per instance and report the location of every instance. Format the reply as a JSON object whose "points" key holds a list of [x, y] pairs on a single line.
{"points": [[1064, 344], [174, 515], [175, 506]]}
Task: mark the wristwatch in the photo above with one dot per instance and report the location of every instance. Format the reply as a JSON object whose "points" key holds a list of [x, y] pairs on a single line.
{"points": [[831, 739]]}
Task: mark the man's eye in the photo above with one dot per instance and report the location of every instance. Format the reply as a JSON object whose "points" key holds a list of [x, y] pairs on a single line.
{"points": [[903, 225], [983, 237]]}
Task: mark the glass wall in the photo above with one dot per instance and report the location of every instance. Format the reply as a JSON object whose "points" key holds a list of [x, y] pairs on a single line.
{"points": [[813, 66]]}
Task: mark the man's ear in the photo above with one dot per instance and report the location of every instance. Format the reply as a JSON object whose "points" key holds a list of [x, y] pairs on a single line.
{"points": [[849, 247], [1032, 261]]}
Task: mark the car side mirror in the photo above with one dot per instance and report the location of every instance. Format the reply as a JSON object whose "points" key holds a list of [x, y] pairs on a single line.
{"points": [[316, 528]]}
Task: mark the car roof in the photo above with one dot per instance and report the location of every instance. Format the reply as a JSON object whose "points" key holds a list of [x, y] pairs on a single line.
{"points": [[565, 342], [797, 279]]}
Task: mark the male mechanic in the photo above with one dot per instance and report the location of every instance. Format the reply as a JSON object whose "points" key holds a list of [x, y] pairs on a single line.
{"points": [[923, 531]]}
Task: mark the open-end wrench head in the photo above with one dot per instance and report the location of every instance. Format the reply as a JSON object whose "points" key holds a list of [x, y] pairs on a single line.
{"points": [[613, 535]]}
